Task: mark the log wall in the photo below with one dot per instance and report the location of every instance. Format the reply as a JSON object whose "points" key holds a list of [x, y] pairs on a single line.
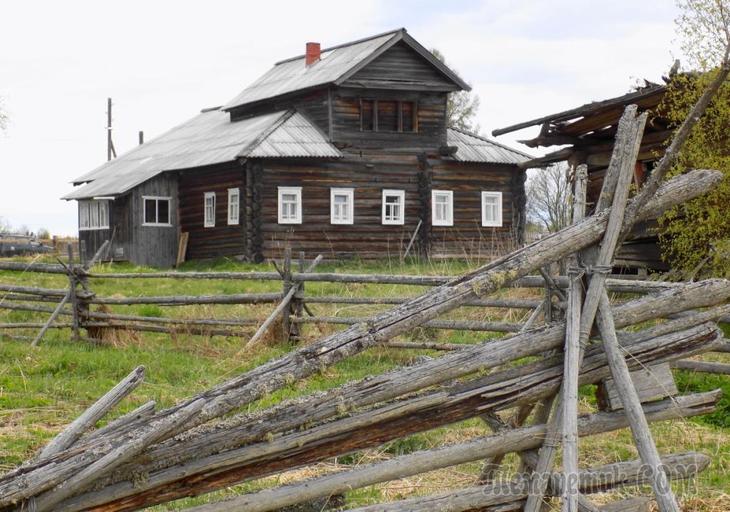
{"points": [[222, 239], [467, 236], [368, 238], [431, 120]]}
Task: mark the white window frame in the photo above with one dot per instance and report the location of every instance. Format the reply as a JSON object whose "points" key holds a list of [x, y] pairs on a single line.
{"points": [[157, 200], [234, 214], [208, 222], [93, 220], [297, 191], [401, 194], [492, 223], [350, 205], [449, 220]]}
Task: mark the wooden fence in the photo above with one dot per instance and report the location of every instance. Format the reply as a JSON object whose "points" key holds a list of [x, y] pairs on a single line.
{"points": [[74, 303]]}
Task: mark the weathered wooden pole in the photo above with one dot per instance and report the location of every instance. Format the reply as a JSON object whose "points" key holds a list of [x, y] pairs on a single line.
{"points": [[90, 416], [571, 364], [625, 151], [281, 307], [632, 406], [287, 286]]}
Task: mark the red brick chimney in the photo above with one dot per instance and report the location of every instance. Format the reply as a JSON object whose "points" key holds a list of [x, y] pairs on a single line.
{"points": [[312, 54]]}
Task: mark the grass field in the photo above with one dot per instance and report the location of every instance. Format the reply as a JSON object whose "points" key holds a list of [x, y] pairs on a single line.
{"points": [[42, 390]]}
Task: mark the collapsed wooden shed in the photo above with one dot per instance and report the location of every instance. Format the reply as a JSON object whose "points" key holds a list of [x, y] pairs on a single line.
{"points": [[586, 135]]}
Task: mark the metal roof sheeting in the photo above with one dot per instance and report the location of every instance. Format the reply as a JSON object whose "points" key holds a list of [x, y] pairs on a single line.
{"points": [[208, 138], [474, 148], [293, 75]]}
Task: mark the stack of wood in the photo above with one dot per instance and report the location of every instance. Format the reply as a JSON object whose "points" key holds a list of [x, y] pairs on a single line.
{"points": [[206, 443]]}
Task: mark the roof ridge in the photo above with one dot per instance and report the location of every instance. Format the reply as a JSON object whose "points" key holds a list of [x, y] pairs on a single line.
{"points": [[492, 141], [342, 45]]}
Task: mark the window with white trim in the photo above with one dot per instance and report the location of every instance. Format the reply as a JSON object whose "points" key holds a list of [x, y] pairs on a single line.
{"points": [[209, 209], [394, 204], [234, 206], [156, 211], [290, 205], [93, 214], [492, 209], [342, 205], [442, 207]]}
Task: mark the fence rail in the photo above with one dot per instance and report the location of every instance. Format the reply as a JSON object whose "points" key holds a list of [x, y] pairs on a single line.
{"points": [[22, 298]]}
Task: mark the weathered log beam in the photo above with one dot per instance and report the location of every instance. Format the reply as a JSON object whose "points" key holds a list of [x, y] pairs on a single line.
{"points": [[374, 427], [308, 360], [615, 191], [182, 300], [703, 367], [496, 496], [594, 480], [460, 325], [407, 380], [118, 456], [90, 416]]}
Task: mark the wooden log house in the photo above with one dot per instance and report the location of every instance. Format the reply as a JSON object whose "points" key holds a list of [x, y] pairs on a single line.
{"points": [[586, 135], [343, 151]]}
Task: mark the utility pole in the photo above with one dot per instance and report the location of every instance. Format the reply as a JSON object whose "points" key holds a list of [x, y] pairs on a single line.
{"points": [[110, 151]]}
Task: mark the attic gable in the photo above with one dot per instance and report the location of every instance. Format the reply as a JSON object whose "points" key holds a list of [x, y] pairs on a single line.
{"points": [[401, 67], [338, 64]]}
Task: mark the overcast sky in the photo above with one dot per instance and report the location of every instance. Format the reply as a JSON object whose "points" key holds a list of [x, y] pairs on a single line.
{"points": [[162, 61]]}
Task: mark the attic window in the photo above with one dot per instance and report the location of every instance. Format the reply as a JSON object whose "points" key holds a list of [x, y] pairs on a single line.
{"points": [[388, 116]]}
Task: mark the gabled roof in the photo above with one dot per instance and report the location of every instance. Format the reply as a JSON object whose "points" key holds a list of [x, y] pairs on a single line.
{"points": [[475, 148], [335, 66], [208, 138]]}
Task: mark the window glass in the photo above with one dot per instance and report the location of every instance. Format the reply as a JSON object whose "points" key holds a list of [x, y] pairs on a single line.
{"points": [[290, 205], [442, 208], [209, 210], [94, 214], [163, 211], [393, 206], [387, 116], [492, 209], [367, 120], [407, 116], [341, 205], [234, 205], [150, 211]]}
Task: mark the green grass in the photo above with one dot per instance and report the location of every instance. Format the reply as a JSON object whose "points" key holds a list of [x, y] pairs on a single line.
{"points": [[44, 389]]}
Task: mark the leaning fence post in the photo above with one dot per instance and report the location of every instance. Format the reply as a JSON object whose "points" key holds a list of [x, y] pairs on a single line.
{"points": [[72, 293], [286, 287], [297, 306]]}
